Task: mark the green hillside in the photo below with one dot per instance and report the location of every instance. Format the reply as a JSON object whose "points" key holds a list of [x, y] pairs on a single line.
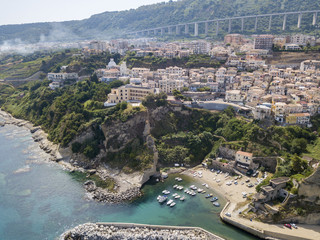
{"points": [[113, 24]]}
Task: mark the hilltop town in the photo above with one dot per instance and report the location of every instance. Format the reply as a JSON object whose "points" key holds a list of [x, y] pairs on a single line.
{"points": [[282, 93]]}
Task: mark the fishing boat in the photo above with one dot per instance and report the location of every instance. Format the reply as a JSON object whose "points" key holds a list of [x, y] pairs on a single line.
{"points": [[182, 198], [193, 194], [216, 204], [172, 204], [177, 196], [214, 199], [186, 190], [175, 186], [209, 195], [169, 202]]}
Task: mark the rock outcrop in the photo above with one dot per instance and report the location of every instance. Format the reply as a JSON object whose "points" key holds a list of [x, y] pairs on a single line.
{"points": [[310, 188]]}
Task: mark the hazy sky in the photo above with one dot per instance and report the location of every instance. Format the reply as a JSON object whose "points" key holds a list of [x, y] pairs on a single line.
{"points": [[28, 11]]}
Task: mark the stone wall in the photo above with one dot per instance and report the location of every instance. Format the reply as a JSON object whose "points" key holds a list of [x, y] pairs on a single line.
{"points": [[269, 163], [222, 166], [227, 153]]}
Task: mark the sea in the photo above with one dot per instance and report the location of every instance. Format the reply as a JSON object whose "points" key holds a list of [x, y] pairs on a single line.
{"points": [[43, 200]]}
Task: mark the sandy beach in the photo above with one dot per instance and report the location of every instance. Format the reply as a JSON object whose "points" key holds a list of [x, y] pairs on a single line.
{"points": [[233, 194]]}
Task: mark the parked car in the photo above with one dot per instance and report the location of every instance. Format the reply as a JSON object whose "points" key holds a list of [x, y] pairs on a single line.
{"points": [[288, 225], [293, 225]]}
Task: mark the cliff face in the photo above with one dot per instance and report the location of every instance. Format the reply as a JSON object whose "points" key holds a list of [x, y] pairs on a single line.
{"points": [[123, 137], [310, 188]]}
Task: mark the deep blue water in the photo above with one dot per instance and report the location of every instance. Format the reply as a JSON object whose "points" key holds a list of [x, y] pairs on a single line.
{"points": [[46, 201]]}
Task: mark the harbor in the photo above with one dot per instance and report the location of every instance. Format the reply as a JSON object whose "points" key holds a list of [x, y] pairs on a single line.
{"points": [[51, 200]]}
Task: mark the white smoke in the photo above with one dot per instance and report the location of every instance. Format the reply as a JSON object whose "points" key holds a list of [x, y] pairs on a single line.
{"points": [[58, 37]]}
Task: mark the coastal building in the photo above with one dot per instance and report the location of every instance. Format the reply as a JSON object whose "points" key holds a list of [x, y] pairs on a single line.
{"points": [[263, 42], [244, 160], [234, 96], [270, 192], [128, 93]]}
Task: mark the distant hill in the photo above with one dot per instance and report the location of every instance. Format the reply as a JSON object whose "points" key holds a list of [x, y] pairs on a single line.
{"points": [[113, 24]]}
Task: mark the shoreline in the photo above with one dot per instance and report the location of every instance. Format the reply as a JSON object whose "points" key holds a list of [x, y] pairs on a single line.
{"points": [[259, 229], [135, 231], [127, 191]]}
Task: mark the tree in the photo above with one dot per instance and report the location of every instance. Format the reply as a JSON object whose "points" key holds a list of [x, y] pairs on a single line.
{"points": [[298, 164]]}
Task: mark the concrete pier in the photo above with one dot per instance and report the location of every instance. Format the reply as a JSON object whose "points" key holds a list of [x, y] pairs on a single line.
{"points": [[196, 29], [206, 28], [284, 22], [217, 28], [177, 30], [186, 29], [314, 20], [299, 20], [242, 24], [270, 22], [256, 24]]}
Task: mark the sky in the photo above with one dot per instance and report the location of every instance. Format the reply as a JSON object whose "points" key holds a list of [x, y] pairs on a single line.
{"points": [[29, 11]]}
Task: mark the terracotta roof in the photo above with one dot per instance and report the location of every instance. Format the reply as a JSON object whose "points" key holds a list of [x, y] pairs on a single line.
{"points": [[244, 153]]}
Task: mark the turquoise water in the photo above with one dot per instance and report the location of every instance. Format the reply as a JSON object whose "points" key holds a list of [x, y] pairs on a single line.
{"points": [[45, 201]]}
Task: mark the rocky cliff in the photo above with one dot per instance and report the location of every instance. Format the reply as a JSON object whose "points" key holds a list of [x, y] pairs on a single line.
{"points": [[310, 188]]}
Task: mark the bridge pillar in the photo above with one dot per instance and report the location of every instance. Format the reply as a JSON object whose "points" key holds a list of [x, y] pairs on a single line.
{"points": [[177, 30], [186, 29], [229, 28], [162, 31], [242, 24], [196, 29], [314, 20], [169, 30], [217, 28], [284, 22], [299, 20], [206, 28], [270, 22], [256, 24]]}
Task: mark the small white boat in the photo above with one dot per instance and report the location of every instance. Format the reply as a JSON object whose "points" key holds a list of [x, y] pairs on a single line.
{"points": [[186, 190], [178, 179], [200, 190], [203, 184], [175, 186], [166, 192], [193, 194], [172, 204], [216, 204], [162, 199], [177, 196], [207, 186], [169, 202], [182, 198]]}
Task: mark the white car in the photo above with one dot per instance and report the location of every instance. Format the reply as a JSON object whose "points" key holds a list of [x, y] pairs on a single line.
{"points": [[228, 214]]}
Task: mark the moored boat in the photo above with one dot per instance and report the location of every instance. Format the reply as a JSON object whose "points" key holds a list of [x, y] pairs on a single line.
{"points": [[216, 204], [169, 202], [214, 199]]}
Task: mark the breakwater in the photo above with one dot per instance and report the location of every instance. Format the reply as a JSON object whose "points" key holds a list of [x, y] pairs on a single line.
{"points": [[106, 231]]}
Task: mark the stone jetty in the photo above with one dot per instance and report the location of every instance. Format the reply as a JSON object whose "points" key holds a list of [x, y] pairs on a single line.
{"points": [[103, 195], [108, 231]]}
